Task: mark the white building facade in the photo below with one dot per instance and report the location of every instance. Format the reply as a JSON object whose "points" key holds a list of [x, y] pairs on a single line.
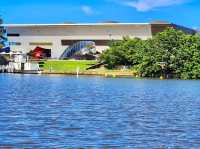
{"points": [[57, 37]]}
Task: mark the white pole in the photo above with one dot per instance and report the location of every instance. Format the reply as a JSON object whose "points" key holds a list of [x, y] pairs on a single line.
{"points": [[77, 72]]}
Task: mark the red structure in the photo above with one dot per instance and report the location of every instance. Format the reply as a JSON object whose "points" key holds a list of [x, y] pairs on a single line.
{"points": [[40, 53]]}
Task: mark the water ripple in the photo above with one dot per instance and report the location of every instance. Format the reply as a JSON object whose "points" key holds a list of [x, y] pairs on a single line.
{"points": [[94, 112]]}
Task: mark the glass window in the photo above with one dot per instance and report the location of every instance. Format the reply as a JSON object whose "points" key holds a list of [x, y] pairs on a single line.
{"points": [[15, 43], [97, 42], [13, 35]]}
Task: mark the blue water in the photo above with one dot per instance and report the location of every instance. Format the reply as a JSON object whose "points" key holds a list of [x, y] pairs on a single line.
{"points": [[93, 112]]}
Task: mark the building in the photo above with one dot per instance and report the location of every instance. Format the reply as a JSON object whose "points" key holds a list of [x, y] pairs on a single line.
{"points": [[58, 37]]}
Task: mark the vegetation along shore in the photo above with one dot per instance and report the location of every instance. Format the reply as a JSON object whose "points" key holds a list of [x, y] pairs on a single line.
{"points": [[169, 54]]}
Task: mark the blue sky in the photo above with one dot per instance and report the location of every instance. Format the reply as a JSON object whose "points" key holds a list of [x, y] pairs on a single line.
{"points": [[183, 12]]}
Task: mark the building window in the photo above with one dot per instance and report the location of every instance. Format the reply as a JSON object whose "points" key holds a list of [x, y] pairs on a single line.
{"points": [[97, 42], [102, 42], [68, 42], [15, 43], [40, 44], [13, 35]]}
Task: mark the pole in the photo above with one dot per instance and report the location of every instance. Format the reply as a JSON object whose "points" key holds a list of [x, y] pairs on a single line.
{"points": [[77, 72]]}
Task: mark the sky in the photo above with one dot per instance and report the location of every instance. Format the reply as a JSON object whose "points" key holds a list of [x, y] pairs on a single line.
{"points": [[182, 12]]}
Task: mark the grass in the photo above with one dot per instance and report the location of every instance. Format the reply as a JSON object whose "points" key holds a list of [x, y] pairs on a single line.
{"points": [[70, 67], [67, 65]]}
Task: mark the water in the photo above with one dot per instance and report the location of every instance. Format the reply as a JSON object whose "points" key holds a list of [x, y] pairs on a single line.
{"points": [[94, 112]]}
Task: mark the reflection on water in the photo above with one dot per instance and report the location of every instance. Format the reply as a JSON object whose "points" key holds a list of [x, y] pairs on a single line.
{"points": [[95, 112]]}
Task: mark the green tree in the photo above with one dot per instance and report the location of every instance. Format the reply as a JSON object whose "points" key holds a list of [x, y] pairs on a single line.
{"points": [[163, 48], [1, 20], [179, 54]]}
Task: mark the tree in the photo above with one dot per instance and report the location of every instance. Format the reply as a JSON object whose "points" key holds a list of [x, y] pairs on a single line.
{"points": [[179, 54], [163, 48], [1, 20]]}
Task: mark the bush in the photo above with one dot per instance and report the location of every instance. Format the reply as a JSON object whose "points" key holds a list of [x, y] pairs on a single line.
{"points": [[169, 53]]}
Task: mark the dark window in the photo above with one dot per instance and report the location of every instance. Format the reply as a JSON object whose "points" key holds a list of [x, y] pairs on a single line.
{"points": [[68, 42], [97, 42], [102, 42], [15, 43], [40, 43], [13, 35]]}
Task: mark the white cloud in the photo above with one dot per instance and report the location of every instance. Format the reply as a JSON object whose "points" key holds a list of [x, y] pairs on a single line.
{"points": [[87, 10], [146, 5]]}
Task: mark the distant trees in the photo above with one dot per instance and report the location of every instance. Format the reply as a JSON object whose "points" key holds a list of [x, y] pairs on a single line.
{"points": [[171, 53]]}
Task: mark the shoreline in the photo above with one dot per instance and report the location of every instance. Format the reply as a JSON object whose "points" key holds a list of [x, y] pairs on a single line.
{"points": [[110, 73], [98, 75]]}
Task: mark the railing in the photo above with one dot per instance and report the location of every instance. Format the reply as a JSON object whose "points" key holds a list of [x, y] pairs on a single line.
{"points": [[70, 51], [6, 68]]}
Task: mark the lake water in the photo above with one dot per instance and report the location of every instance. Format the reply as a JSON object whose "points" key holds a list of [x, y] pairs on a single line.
{"points": [[94, 112]]}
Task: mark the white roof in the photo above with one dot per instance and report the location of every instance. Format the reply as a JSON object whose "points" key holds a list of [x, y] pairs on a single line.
{"points": [[79, 24]]}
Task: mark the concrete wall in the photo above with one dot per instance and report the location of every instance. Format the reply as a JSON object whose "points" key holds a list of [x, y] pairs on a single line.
{"points": [[55, 33]]}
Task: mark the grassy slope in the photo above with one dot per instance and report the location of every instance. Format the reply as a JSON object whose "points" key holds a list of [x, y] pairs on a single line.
{"points": [[67, 65], [70, 67]]}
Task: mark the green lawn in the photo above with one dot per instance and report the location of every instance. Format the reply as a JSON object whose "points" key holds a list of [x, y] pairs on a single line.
{"points": [[67, 65]]}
